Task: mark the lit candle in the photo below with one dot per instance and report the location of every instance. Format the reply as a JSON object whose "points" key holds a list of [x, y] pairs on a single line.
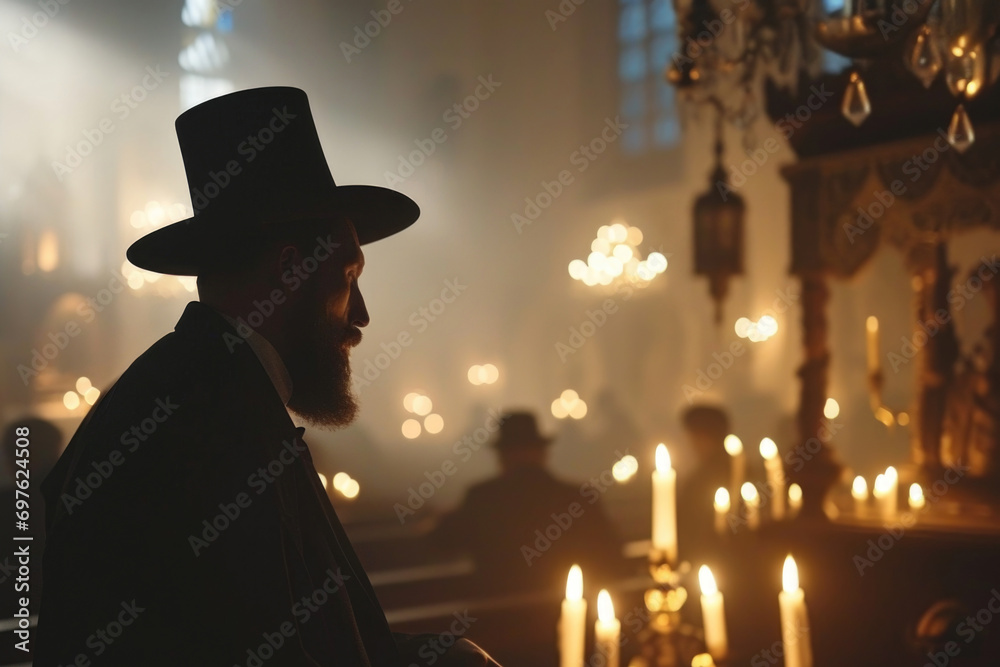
{"points": [[665, 505], [794, 619], [608, 630], [721, 510], [573, 622], [775, 477], [751, 499], [794, 499], [738, 468], [871, 326], [713, 614], [917, 500], [892, 499], [880, 491], [859, 491]]}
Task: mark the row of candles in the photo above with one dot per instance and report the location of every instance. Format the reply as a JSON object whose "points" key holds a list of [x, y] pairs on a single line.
{"points": [[885, 489], [782, 504], [607, 629]]}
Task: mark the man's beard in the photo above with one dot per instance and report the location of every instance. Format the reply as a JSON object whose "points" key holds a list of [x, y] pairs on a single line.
{"points": [[319, 366]]}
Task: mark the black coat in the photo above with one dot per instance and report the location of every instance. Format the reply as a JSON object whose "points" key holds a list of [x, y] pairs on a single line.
{"points": [[147, 561]]}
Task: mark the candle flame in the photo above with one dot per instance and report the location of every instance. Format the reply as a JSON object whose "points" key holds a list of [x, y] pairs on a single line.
{"points": [[749, 492], [721, 500], [881, 487], [702, 660], [790, 575], [707, 581], [795, 495], [605, 608], [872, 324], [733, 445], [916, 496], [662, 458], [859, 490], [891, 474], [768, 449], [574, 584]]}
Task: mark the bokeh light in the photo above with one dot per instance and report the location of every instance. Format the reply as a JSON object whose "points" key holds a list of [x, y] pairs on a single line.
{"points": [[71, 400], [433, 423], [411, 429], [615, 256]]}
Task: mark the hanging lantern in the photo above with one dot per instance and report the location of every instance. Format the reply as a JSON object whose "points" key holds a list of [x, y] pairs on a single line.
{"points": [[718, 234]]}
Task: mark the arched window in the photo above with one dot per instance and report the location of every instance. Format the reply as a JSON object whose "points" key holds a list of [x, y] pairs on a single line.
{"points": [[647, 36]]}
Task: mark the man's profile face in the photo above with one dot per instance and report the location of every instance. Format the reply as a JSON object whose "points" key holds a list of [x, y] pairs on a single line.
{"points": [[323, 326]]}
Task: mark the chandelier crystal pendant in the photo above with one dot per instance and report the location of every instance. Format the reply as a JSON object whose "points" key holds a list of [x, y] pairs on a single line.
{"points": [[925, 59], [856, 106], [960, 132]]}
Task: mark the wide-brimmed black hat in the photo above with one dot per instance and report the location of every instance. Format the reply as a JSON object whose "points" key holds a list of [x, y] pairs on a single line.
{"points": [[520, 430], [253, 158]]}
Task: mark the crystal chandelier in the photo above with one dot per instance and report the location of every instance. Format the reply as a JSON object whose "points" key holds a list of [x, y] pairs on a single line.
{"points": [[728, 46], [956, 37]]}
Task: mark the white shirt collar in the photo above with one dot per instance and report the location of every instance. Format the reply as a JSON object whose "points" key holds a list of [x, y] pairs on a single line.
{"points": [[269, 359]]}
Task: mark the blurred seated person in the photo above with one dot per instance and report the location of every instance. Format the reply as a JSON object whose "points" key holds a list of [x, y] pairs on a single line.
{"points": [[706, 427], [525, 528]]}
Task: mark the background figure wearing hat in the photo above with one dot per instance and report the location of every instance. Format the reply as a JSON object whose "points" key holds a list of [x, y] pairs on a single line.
{"points": [[706, 427], [506, 523], [185, 516]]}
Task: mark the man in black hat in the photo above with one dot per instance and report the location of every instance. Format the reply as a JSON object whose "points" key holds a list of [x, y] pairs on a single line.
{"points": [[525, 528], [186, 522]]}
